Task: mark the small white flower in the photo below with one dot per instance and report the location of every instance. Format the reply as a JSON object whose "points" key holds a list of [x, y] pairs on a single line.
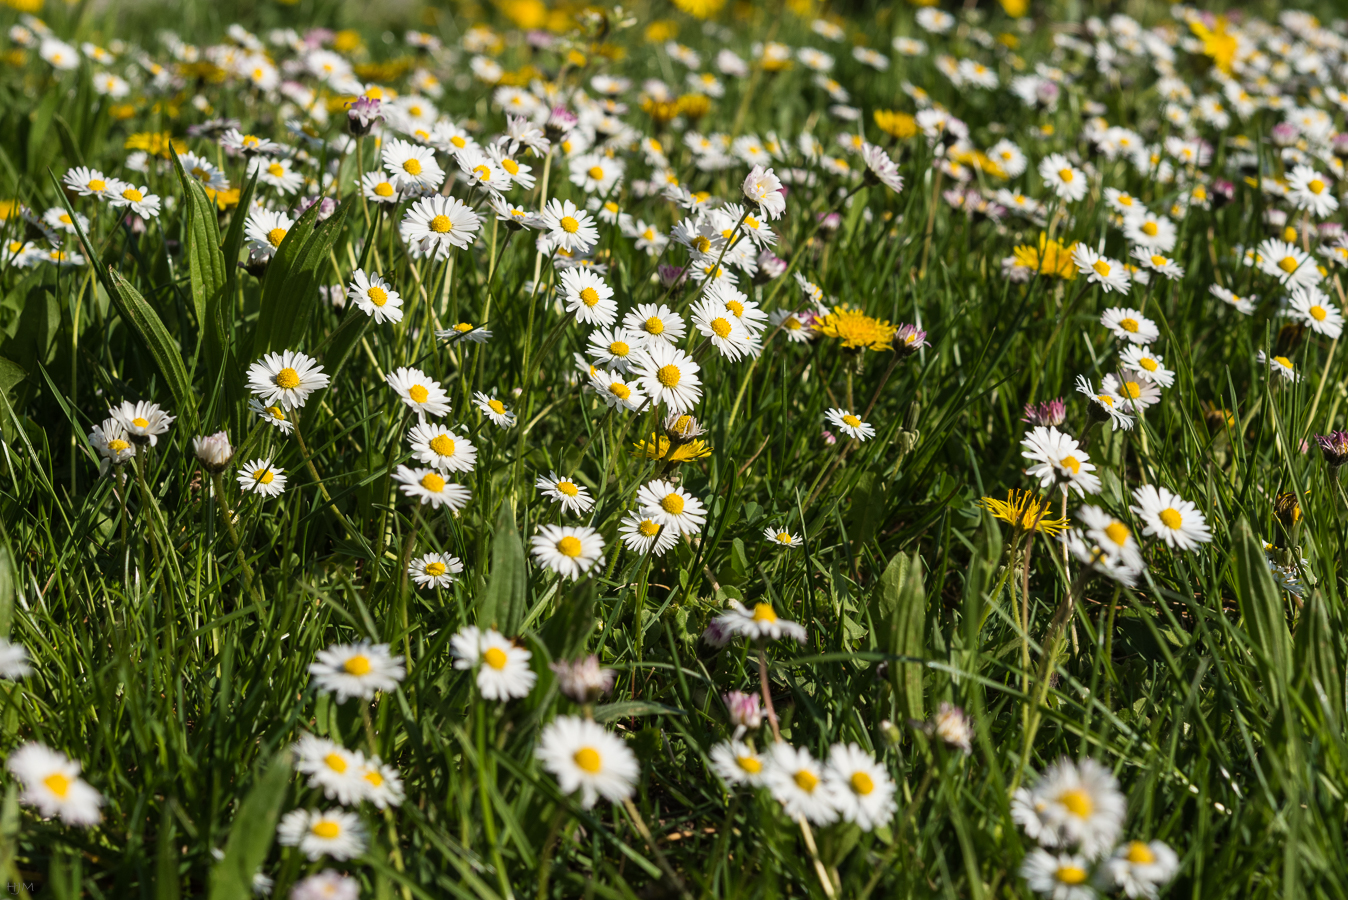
{"points": [[430, 486], [1170, 518], [375, 297], [502, 667], [850, 424], [357, 670], [334, 833], [737, 763], [52, 783], [796, 780], [568, 550], [1110, 274], [574, 498], [262, 478], [672, 506], [760, 623], [584, 757], [434, 570], [1130, 325], [286, 379], [419, 392]]}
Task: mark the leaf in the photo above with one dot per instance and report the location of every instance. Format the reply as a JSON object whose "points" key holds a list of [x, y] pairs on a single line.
{"points": [[166, 884], [8, 583], [251, 834], [502, 604], [868, 505], [625, 709], [290, 288], [11, 374], [69, 145], [978, 581], [1315, 654], [206, 264], [902, 607], [150, 329], [1261, 608]]}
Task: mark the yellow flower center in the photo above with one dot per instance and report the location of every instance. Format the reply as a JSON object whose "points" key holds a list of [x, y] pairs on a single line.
{"points": [[569, 546], [140, 423], [443, 445], [1072, 463], [418, 393], [1150, 229], [862, 783], [1117, 532], [412, 167], [589, 296], [783, 537], [1288, 264], [1159, 261], [374, 778], [806, 781], [458, 141], [1283, 361], [432, 482], [496, 406], [668, 375], [1129, 325], [1316, 186], [1130, 389], [568, 488], [1070, 874], [133, 195], [596, 172], [702, 243], [1140, 854], [588, 759], [98, 184], [1148, 363], [510, 166], [735, 307], [620, 390], [326, 829], [672, 504], [357, 665], [751, 764], [1078, 802], [336, 762], [1105, 399], [619, 348], [1318, 313], [383, 189], [720, 327], [276, 170], [65, 219], [441, 225], [249, 141], [58, 784], [851, 421], [1170, 517], [378, 296], [569, 224], [654, 325], [648, 528], [1066, 175], [117, 445], [495, 657], [276, 413], [201, 174], [264, 476], [763, 612], [275, 236], [435, 569], [1101, 267]]}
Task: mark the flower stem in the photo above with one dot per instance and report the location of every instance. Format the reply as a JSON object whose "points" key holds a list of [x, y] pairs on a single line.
{"points": [[227, 516], [766, 691]]}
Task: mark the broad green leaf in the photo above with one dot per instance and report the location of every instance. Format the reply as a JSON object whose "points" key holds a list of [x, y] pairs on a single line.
{"points": [[206, 263], [1317, 660], [625, 709], [150, 329], [1261, 608], [290, 287], [503, 602], [900, 612], [251, 835], [69, 145]]}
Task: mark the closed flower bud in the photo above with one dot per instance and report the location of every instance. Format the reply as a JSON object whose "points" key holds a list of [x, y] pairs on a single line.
{"points": [[213, 451], [583, 680], [745, 711]]}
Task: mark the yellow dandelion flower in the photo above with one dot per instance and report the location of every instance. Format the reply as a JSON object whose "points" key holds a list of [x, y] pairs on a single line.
{"points": [[701, 9], [896, 124], [1025, 512], [856, 329], [658, 447], [1217, 44], [1050, 257]]}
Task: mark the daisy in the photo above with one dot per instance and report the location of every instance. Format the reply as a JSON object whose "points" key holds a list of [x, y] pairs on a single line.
{"points": [[1009, 157], [1307, 189], [595, 173], [419, 392], [1062, 178], [14, 661], [429, 486], [1090, 553], [412, 167], [737, 763], [849, 424], [58, 219], [1060, 461], [1106, 404], [357, 670], [880, 168], [569, 227], [331, 767], [1123, 202], [759, 623], [434, 570], [1151, 232], [1288, 263], [1148, 363], [237, 141], [764, 188], [375, 297], [326, 885], [377, 188], [613, 348], [1310, 306], [112, 443], [1156, 262], [672, 506], [265, 229], [615, 391], [436, 225], [87, 182], [465, 331], [951, 725], [573, 497], [722, 328], [1060, 876], [277, 173], [1170, 518], [286, 379], [262, 478], [143, 422], [494, 409], [584, 757], [482, 171], [652, 322], [567, 550], [668, 375], [588, 297], [782, 537], [1135, 388], [383, 785], [1280, 365], [275, 415], [519, 172], [434, 445], [862, 790], [1079, 804], [204, 171], [334, 833], [502, 667], [1241, 304], [1141, 868], [125, 195], [52, 783], [1110, 274], [1130, 325], [643, 534], [796, 780]]}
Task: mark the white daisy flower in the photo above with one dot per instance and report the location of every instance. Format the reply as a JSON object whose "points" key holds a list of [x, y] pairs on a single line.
{"points": [[14, 661], [262, 478], [419, 392], [1111, 535], [113, 445], [1148, 363], [434, 570], [1307, 189], [672, 506], [331, 767], [520, 173], [334, 833], [1150, 231], [58, 219], [764, 188], [1110, 274], [760, 623], [850, 424], [265, 229], [616, 391], [494, 409], [1311, 307], [654, 322], [584, 757], [1140, 868], [465, 331], [796, 780], [204, 171], [1123, 202], [87, 182], [668, 375], [1099, 559], [643, 534], [613, 348], [52, 783], [1130, 325], [574, 498], [1292, 266], [274, 415], [595, 173], [235, 140], [286, 379], [357, 670], [1240, 304], [1156, 262], [383, 784], [502, 667], [587, 296], [1062, 876], [1060, 461], [125, 195], [1079, 804], [737, 763], [1062, 178], [411, 166], [377, 188], [326, 885], [1170, 518], [726, 333], [881, 168], [569, 227], [375, 297], [1135, 389], [430, 486], [862, 790], [568, 550], [437, 446], [782, 537], [277, 173], [1279, 365], [434, 226], [482, 171], [142, 422]]}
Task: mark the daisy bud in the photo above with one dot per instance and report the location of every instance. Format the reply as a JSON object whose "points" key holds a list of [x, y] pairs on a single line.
{"points": [[717, 634], [362, 116], [326, 207], [1334, 448], [1284, 134], [213, 451], [828, 437], [952, 726], [1286, 509], [1222, 192], [908, 340], [559, 123], [583, 680], [829, 222], [770, 266], [745, 710], [1049, 412], [1339, 144], [256, 264], [672, 276]]}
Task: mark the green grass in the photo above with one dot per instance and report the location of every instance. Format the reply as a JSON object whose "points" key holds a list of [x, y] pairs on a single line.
{"points": [[1216, 699]]}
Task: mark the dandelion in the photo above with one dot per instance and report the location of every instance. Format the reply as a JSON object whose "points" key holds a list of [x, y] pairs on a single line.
{"points": [[584, 757], [856, 329], [434, 570], [502, 667], [1025, 512], [357, 670], [334, 833]]}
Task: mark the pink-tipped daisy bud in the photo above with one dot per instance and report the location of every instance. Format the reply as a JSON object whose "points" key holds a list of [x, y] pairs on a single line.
{"points": [[363, 115], [1049, 412], [952, 726], [908, 339], [213, 451], [583, 680], [1334, 447], [745, 709]]}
